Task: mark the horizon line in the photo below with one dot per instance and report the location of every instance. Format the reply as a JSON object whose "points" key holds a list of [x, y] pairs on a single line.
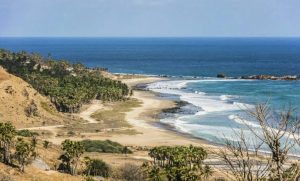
{"points": [[149, 36]]}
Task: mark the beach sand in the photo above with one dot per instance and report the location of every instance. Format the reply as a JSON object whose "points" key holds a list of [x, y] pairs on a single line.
{"points": [[142, 119]]}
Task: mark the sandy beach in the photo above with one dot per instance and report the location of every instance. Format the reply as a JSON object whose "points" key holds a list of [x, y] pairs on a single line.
{"points": [[142, 120]]}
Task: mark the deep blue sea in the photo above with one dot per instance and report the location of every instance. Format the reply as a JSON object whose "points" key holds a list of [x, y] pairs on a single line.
{"points": [[172, 56], [215, 106]]}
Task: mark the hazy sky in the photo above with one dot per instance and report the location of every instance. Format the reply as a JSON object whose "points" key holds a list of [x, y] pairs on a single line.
{"points": [[150, 18]]}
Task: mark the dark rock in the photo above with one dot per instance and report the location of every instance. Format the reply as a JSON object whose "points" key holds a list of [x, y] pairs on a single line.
{"points": [[271, 77], [221, 75]]}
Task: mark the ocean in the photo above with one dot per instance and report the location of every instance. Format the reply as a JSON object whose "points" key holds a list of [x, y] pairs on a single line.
{"points": [[216, 107]]}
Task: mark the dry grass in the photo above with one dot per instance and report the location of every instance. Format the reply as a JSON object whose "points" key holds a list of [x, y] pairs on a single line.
{"points": [[16, 95], [114, 117], [111, 120]]}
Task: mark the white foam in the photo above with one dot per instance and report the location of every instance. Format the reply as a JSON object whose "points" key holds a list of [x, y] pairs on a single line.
{"points": [[200, 113], [208, 104], [199, 99], [179, 84], [224, 97], [201, 93], [239, 120]]}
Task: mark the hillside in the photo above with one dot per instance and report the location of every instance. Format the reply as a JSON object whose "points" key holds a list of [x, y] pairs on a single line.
{"points": [[68, 85], [23, 105]]}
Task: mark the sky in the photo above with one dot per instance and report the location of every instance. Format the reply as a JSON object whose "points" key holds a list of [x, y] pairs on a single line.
{"points": [[150, 18]]}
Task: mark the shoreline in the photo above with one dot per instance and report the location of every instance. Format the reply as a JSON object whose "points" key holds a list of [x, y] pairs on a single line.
{"points": [[143, 119], [152, 121]]}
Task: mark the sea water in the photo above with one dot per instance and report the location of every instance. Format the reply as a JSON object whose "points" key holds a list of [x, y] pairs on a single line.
{"points": [[216, 106]]}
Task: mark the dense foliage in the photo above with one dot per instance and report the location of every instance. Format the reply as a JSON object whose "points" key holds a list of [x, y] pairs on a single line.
{"points": [[68, 85], [7, 135], [178, 163], [70, 158], [24, 151], [96, 167], [106, 146], [26, 133]]}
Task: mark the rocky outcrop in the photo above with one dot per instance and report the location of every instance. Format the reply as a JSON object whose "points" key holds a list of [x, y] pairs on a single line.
{"points": [[221, 75], [271, 77], [262, 77]]}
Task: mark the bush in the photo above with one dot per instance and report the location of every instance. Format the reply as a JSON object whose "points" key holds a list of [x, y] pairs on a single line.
{"points": [[131, 172], [31, 109], [27, 133], [5, 178], [97, 167], [106, 146]]}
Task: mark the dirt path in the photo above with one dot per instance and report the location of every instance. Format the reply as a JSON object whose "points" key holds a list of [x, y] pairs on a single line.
{"points": [[86, 115]]}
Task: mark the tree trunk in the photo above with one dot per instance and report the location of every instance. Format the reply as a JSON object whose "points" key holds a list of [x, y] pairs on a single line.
{"points": [[6, 155]]}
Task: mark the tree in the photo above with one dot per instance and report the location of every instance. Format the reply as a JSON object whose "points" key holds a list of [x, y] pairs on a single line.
{"points": [[46, 144], [277, 130], [31, 109], [177, 163], [243, 164], [154, 172], [68, 85], [33, 147], [131, 172], [70, 158], [23, 153], [7, 134], [96, 167], [126, 150]]}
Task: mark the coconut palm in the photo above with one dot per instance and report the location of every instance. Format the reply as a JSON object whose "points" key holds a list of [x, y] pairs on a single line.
{"points": [[22, 154], [7, 134], [72, 152], [178, 163]]}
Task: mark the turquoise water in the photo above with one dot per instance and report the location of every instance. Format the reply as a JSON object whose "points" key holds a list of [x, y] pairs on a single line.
{"points": [[218, 108], [215, 105]]}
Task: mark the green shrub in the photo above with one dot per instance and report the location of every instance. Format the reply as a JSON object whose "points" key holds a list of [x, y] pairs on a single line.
{"points": [[26, 133], [96, 167], [106, 146]]}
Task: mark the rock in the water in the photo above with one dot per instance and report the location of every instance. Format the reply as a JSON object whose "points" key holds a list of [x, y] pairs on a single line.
{"points": [[271, 77], [221, 75]]}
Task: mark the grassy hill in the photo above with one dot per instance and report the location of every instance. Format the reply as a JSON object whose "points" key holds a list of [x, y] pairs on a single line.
{"points": [[69, 86], [23, 105]]}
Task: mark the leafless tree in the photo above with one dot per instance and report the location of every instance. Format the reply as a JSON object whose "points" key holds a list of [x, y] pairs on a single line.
{"points": [[276, 131], [243, 159]]}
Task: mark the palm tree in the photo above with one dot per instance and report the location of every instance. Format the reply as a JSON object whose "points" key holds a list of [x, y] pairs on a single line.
{"points": [[46, 144], [7, 134], [72, 152], [33, 147], [23, 152]]}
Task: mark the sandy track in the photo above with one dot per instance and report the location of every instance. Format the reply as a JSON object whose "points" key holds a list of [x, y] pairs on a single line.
{"points": [[86, 114], [140, 119]]}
